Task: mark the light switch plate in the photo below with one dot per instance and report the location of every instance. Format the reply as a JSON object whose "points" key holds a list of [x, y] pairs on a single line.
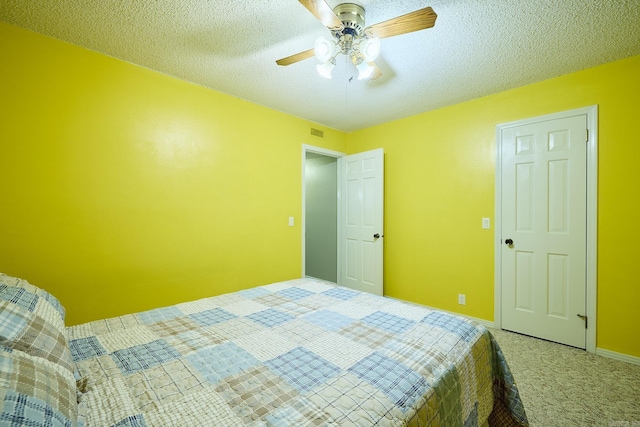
{"points": [[290, 221], [486, 223]]}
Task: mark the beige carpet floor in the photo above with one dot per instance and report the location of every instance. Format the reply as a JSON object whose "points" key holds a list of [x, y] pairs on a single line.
{"points": [[565, 386]]}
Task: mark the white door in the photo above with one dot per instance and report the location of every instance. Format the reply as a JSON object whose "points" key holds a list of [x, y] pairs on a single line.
{"points": [[544, 229], [361, 230]]}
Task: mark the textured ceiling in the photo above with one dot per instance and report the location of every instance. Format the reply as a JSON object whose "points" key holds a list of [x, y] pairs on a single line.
{"points": [[477, 47]]}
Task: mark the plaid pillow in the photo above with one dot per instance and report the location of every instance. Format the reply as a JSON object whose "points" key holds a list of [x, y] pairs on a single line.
{"points": [[21, 292], [32, 321], [35, 392]]}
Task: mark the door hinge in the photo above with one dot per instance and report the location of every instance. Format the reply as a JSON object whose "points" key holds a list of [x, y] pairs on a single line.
{"points": [[586, 320], [587, 137]]}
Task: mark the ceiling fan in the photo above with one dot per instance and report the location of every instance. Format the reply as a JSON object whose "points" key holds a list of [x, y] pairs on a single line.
{"points": [[351, 38]]}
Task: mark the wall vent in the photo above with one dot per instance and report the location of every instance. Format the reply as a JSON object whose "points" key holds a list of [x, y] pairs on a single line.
{"points": [[317, 132]]}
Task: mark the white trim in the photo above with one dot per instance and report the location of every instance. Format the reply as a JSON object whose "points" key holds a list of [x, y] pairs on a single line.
{"points": [[329, 153], [592, 215], [618, 356], [592, 225], [497, 235], [483, 322]]}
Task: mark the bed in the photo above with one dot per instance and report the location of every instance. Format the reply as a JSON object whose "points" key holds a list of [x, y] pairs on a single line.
{"points": [[297, 353]]}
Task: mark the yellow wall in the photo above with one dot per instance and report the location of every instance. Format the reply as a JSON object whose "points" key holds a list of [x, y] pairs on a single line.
{"points": [[122, 189], [440, 182]]}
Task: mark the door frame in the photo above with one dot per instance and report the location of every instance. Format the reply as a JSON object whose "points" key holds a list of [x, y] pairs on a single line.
{"points": [[306, 148], [592, 215]]}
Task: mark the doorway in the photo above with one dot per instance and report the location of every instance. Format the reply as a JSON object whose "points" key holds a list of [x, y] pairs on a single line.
{"points": [[321, 216], [320, 213], [342, 214]]}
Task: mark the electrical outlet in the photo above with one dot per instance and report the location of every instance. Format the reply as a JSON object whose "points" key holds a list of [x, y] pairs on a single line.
{"points": [[462, 299]]}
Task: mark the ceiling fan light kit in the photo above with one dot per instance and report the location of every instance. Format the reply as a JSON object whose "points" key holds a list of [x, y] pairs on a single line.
{"points": [[370, 48], [361, 45], [365, 70], [325, 68], [324, 49], [361, 53]]}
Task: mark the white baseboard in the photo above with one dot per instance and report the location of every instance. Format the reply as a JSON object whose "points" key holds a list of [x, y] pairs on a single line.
{"points": [[618, 356], [485, 323]]}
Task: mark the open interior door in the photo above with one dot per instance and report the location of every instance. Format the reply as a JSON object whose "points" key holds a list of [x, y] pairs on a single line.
{"points": [[361, 216]]}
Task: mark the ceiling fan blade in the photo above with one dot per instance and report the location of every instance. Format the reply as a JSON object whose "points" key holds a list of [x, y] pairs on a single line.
{"points": [[301, 56], [413, 21], [324, 13]]}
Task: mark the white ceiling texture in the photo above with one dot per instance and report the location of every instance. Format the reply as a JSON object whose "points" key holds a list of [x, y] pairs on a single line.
{"points": [[476, 48]]}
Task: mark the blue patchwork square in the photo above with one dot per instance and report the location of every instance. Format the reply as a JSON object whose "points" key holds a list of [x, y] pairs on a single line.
{"points": [[389, 322], [329, 320], [221, 361], [254, 293], [7, 368], [132, 421], [12, 321], [295, 293], [20, 409], [450, 323], [341, 293], [285, 415], [55, 303], [270, 317], [160, 314], [403, 386], [303, 369], [19, 296], [86, 348], [212, 317], [144, 356]]}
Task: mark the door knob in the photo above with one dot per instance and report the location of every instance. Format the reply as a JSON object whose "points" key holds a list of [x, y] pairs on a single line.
{"points": [[508, 242], [376, 236]]}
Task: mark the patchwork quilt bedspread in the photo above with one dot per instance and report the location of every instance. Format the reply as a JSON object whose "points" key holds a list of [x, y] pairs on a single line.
{"points": [[296, 353]]}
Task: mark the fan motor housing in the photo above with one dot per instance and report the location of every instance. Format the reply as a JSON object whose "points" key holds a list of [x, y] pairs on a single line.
{"points": [[352, 17]]}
